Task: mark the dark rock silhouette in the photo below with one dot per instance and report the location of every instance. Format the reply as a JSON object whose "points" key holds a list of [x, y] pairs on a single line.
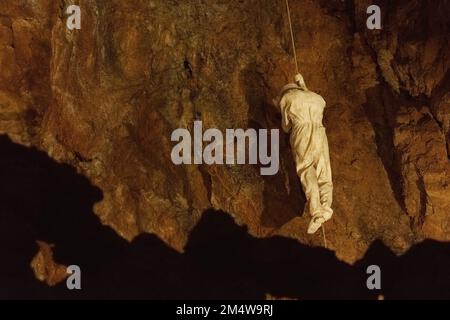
{"points": [[41, 199]]}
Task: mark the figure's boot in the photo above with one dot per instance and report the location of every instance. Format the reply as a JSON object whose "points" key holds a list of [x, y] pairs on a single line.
{"points": [[316, 222], [319, 218], [327, 213]]}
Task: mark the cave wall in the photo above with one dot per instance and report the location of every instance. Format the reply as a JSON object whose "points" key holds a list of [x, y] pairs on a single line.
{"points": [[106, 98]]}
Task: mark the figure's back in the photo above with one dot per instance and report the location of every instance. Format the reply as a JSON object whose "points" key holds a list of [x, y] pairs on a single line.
{"points": [[304, 106]]}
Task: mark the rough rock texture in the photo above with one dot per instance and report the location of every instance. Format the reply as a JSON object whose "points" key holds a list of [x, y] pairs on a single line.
{"points": [[106, 98], [44, 267]]}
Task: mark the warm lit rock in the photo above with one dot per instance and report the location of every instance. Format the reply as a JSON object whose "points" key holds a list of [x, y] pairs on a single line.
{"points": [[106, 98], [44, 267]]}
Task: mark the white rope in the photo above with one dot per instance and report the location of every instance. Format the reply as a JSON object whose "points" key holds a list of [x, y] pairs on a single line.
{"points": [[292, 35], [324, 237]]}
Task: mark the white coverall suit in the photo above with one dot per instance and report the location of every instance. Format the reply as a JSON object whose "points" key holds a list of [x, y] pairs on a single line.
{"points": [[302, 113]]}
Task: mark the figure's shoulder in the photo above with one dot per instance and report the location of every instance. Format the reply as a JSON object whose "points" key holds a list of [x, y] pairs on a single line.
{"points": [[294, 93], [313, 96], [290, 95], [303, 96]]}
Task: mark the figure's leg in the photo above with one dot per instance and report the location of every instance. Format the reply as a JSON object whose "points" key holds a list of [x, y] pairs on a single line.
{"points": [[324, 179], [325, 184], [311, 188], [305, 157]]}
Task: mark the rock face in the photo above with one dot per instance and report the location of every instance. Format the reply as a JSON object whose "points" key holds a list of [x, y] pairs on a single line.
{"points": [[105, 99], [44, 267]]}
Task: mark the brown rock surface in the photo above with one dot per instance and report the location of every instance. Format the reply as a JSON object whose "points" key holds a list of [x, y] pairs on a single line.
{"points": [[45, 268], [106, 98]]}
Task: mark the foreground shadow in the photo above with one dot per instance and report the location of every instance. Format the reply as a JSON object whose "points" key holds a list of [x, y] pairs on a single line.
{"points": [[43, 200]]}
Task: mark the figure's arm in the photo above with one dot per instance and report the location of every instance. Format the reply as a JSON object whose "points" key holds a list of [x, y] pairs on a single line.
{"points": [[286, 124], [276, 104], [285, 121]]}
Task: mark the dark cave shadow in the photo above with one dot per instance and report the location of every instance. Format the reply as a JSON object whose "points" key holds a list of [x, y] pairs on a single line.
{"points": [[382, 117], [282, 204], [437, 96], [41, 199]]}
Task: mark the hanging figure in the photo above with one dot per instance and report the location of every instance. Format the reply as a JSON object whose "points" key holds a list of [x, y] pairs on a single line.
{"points": [[302, 113]]}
